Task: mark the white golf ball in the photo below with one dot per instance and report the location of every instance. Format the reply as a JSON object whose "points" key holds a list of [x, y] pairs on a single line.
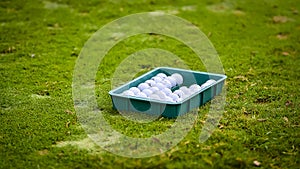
{"points": [[167, 91], [169, 99], [210, 81], [156, 79], [204, 85], [141, 94], [143, 86], [178, 100], [154, 89], [195, 88], [167, 83], [185, 90], [161, 75], [179, 93], [135, 90], [171, 80], [160, 86], [174, 96], [185, 96], [128, 93], [154, 97], [161, 94], [148, 92], [150, 82], [178, 78]]}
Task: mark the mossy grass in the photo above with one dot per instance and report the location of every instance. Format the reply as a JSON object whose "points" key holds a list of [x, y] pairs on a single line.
{"points": [[258, 44]]}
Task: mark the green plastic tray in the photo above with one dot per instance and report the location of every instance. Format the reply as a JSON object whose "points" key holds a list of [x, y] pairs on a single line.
{"points": [[164, 108]]}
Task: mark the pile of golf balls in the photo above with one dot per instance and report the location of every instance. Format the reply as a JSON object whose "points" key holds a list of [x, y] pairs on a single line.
{"points": [[159, 88]]}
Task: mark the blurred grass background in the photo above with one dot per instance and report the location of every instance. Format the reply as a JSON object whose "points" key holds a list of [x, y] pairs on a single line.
{"points": [[258, 44]]}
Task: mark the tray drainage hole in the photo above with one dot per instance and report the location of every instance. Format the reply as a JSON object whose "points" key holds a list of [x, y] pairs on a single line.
{"points": [[140, 105]]}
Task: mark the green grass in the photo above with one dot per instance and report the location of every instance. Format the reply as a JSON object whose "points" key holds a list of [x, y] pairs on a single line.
{"points": [[39, 45]]}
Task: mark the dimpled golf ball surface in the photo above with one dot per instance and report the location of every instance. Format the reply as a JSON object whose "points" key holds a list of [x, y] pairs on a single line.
{"points": [[207, 83], [128, 93], [167, 91], [154, 89], [204, 85], [150, 82], [167, 83], [175, 97], [156, 79], [161, 75], [178, 78], [171, 80], [179, 93], [185, 96], [160, 86], [211, 81], [179, 100], [185, 90], [154, 97], [169, 99], [143, 86], [161, 94], [148, 92], [194, 88], [141, 94], [135, 90]]}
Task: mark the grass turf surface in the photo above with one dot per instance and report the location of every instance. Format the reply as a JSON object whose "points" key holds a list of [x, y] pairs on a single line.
{"points": [[258, 44]]}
